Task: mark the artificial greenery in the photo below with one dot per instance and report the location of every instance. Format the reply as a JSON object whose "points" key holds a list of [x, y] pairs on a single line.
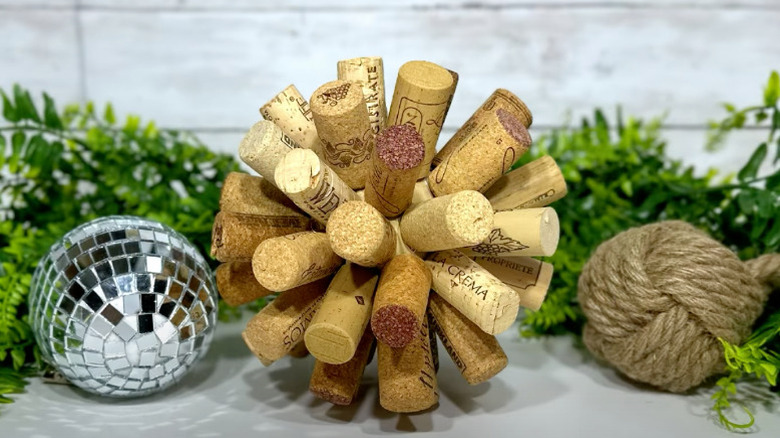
{"points": [[622, 177], [59, 169]]}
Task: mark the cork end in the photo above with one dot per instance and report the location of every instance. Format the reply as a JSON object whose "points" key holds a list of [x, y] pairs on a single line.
{"points": [[336, 98], [394, 325], [514, 127], [400, 147], [260, 133], [265, 265], [329, 343], [250, 344], [469, 217], [426, 75], [331, 397], [549, 233], [358, 232], [507, 306], [527, 118], [487, 369], [297, 171]]}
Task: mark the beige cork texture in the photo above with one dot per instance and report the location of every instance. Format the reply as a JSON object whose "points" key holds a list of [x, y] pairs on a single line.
{"points": [[311, 184], [536, 184], [530, 278], [338, 384], [477, 354], [395, 163], [360, 234], [235, 236], [248, 194], [341, 117], [452, 221], [407, 376], [500, 99], [237, 284], [299, 351], [401, 299], [523, 232], [335, 331], [477, 162], [474, 291], [291, 112], [280, 326], [285, 262], [264, 146], [369, 73], [423, 93]]}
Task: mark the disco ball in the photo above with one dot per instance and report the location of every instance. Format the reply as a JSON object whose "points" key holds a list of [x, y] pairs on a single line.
{"points": [[123, 306]]}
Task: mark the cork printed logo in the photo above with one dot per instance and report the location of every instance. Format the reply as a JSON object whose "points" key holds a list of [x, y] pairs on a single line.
{"points": [[354, 151], [332, 96], [413, 113], [496, 243]]}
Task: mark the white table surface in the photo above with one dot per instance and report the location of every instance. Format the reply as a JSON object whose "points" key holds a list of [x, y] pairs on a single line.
{"points": [[551, 387]]}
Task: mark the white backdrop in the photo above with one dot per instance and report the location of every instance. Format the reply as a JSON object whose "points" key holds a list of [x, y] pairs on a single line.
{"points": [[207, 65]]}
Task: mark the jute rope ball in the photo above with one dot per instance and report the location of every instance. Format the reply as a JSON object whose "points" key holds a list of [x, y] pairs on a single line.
{"points": [[657, 298]]}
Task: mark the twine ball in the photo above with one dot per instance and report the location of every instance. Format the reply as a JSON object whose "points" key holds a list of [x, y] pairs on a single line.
{"points": [[658, 297]]}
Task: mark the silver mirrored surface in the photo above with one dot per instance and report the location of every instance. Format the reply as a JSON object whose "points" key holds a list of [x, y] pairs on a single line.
{"points": [[123, 306]]}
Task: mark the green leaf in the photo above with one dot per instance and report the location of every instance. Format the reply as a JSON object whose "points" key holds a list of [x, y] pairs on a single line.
{"points": [[9, 111], [772, 90], [2, 155], [25, 108], [750, 169], [108, 114], [50, 117]]}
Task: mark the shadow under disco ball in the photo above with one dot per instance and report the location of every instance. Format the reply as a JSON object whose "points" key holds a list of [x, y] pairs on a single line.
{"points": [[123, 306]]}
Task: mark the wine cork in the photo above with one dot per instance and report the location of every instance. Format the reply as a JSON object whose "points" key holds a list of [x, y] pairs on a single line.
{"points": [[477, 354], [237, 284], [481, 158], [500, 99], [280, 326], [291, 112], [338, 384], [248, 194], [460, 219], [342, 123], [530, 278], [536, 184], [311, 184], [523, 232], [395, 163], [235, 236], [369, 73], [401, 299], [299, 351], [407, 376], [474, 291], [422, 96], [359, 233], [285, 262], [335, 331], [264, 146], [432, 341]]}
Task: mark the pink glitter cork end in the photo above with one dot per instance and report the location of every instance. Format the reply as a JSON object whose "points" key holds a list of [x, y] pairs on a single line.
{"points": [[400, 147], [394, 325], [514, 127]]}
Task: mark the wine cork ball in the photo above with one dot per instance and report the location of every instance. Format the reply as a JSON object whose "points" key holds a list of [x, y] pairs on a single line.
{"points": [[477, 162], [235, 236], [335, 331], [311, 184], [285, 262], [237, 284], [342, 122], [407, 376], [248, 194], [369, 73], [359, 233], [530, 278], [446, 222], [338, 384], [264, 146], [477, 354], [500, 99], [475, 292], [395, 162], [291, 112], [422, 96], [536, 184], [401, 299], [523, 232], [280, 326]]}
